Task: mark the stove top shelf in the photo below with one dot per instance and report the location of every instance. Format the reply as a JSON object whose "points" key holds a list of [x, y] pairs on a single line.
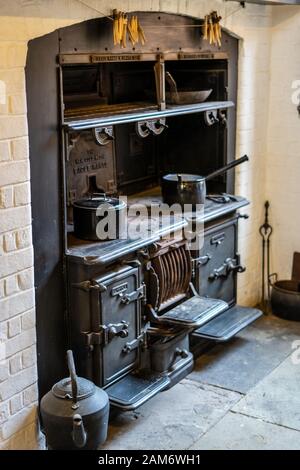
{"points": [[111, 115], [91, 253]]}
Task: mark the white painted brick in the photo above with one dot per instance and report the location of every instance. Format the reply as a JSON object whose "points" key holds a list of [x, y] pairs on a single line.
{"points": [[4, 151], [30, 395], [15, 218], [14, 327], [28, 320], [6, 197], [13, 126], [11, 285], [9, 242], [14, 172], [24, 238], [3, 107], [18, 383], [14, 80], [18, 303], [14, 55], [25, 279], [3, 331], [28, 438], [20, 149], [15, 404], [14, 262], [26, 416], [2, 291], [4, 412], [17, 104], [22, 194], [15, 364], [29, 357], [19, 343], [4, 371]]}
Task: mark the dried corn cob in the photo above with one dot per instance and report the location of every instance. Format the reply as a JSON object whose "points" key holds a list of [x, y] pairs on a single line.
{"points": [[205, 28]]}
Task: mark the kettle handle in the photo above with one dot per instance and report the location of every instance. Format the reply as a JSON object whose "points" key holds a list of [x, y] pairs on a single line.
{"points": [[73, 376]]}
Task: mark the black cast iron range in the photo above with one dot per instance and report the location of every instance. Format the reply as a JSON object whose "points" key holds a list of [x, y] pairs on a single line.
{"points": [[138, 311]]}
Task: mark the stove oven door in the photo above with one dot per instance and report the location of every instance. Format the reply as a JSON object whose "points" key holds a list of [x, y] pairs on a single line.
{"points": [[217, 267], [116, 311]]}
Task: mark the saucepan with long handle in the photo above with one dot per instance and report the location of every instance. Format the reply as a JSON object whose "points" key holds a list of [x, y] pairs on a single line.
{"points": [[179, 188]]}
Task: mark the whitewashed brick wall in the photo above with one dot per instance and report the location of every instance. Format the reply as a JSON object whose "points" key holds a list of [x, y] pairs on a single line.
{"points": [[283, 182], [21, 21]]}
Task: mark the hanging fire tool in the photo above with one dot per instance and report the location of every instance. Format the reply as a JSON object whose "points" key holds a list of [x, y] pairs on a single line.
{"points": [[266, 231]]}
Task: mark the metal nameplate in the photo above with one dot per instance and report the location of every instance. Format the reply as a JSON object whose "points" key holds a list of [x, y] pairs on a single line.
{"points": [[96, 58], [117, 290], [201, 55]]}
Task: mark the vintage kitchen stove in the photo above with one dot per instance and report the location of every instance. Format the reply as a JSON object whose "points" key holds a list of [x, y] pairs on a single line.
{"points": [[134, 311]]}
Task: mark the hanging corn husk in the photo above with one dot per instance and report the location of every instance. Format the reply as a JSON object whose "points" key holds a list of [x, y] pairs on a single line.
{"points": [[122, 24], [212, 30], [205, 28]]}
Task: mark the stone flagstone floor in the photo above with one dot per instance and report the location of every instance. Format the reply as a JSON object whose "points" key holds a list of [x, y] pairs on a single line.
{"points": [[241, 395]]}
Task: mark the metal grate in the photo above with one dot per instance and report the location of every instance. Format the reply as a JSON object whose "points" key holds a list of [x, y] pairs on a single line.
{"points": [[171, 270]]}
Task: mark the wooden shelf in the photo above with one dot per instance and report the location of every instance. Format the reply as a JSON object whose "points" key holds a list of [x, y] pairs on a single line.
{"points": [[144, 114]]}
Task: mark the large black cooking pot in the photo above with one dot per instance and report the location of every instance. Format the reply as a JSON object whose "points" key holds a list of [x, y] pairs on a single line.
{"points": [[89, 211], [285, 298], [191, 189]]}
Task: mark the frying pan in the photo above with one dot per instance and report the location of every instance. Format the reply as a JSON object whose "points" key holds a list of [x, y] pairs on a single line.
{"points": [[184, 189], [184, 97]]}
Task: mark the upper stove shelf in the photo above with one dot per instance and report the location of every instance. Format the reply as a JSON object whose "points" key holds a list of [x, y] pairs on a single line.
{"points": [[135, 112]]}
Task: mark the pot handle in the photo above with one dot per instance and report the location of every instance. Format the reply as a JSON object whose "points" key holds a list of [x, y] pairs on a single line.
{"points": [[99, 194], [228, 167], [271, 277], [71, 367]]}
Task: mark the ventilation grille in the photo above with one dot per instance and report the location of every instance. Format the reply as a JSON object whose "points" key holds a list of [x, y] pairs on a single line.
{"points": [[171, 271]]}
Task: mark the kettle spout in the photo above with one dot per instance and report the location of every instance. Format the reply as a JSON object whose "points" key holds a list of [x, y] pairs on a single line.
{"points": [[79, 434]]}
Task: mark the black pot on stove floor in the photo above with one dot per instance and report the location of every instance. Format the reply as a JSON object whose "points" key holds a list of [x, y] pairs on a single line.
{"points": [[285, 299]]}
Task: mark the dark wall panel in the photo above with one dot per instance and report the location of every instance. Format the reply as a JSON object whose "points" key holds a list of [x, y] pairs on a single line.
{"points": [[43, 119]]}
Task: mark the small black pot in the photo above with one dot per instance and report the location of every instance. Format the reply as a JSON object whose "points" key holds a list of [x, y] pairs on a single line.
{"points": [[191, 189], [183, 189], [86, 219]]}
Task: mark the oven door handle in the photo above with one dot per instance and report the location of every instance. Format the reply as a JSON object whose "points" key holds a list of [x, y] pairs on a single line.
{"points": [[229, 266], [138, 294]]}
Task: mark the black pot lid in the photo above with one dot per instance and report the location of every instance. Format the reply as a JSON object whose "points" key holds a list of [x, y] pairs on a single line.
{"points": [[184, 177], [63, 388], [94, 202]]}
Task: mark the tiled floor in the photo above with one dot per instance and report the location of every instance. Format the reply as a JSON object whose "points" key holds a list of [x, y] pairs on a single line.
{"points": [[241, 395]]}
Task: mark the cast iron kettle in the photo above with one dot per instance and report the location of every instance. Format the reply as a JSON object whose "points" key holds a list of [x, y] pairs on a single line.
{"points": [[191, 189], [75, 413]]}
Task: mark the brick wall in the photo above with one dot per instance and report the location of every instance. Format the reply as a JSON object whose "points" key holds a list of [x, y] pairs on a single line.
{"points": [[21, 21], [283, 187]]}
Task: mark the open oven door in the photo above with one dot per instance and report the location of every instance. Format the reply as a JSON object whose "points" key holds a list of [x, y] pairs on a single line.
{"points": [[228, 324]]}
